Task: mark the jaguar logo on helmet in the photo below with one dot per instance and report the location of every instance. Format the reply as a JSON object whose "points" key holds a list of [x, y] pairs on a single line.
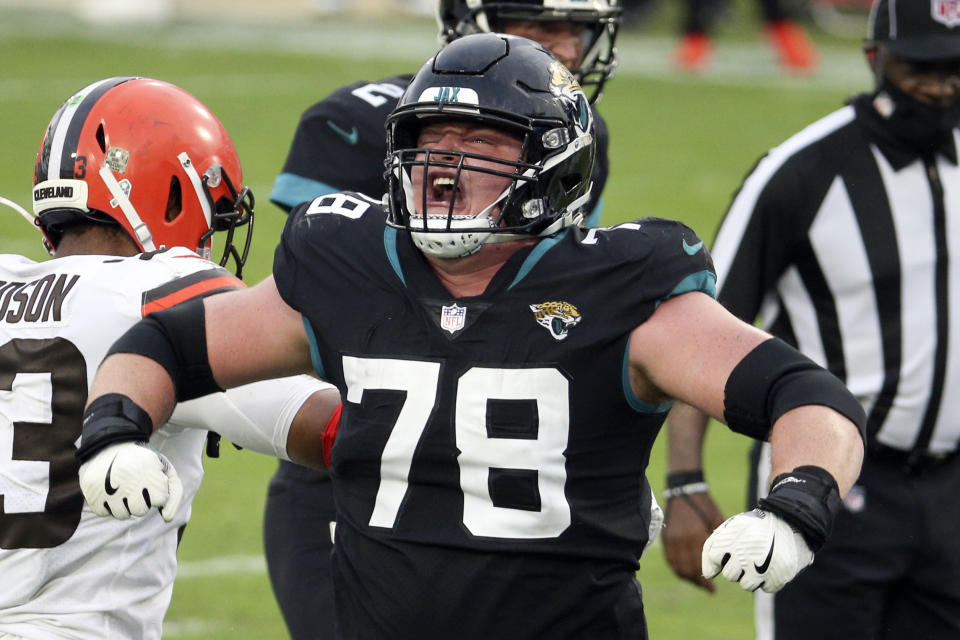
{"points": [[946, 12], [564, 84]]}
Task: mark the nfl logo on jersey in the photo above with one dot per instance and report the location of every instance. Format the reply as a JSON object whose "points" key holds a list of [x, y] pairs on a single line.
{"points": [[947, 12], [452, 318]]}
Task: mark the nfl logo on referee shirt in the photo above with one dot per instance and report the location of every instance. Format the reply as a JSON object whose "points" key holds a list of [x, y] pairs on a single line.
{"points": [[452, 318], [946, 12]]}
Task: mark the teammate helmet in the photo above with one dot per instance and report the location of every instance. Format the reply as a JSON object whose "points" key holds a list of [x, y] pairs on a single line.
{"points": [[508, 83], [148, 156], [601, 18]]}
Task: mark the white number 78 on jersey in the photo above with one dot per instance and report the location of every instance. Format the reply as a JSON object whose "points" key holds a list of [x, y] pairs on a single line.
{"points": [[479, 452]]}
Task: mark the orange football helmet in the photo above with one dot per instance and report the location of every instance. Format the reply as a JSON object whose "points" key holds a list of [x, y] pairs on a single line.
{"points": [[148, 156]]}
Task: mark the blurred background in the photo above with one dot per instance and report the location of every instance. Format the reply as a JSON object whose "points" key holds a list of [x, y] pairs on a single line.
{"points": [[682, 138]]}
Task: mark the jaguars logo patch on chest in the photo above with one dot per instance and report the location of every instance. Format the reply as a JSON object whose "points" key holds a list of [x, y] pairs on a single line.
{"points": [[557, 317]]}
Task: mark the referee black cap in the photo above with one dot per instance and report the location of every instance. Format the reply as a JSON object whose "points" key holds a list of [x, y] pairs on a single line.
{"points": [[917, 29]]}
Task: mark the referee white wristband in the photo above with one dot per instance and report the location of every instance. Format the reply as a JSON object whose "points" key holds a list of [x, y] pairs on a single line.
{"points": [[685, 483], [686, 490]]}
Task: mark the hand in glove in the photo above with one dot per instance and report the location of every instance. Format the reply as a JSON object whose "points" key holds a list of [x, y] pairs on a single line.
{"points": [[758, 549], [129, 478]]}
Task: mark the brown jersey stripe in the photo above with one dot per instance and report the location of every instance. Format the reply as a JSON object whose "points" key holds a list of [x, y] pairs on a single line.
{"points": [[196, 285]]}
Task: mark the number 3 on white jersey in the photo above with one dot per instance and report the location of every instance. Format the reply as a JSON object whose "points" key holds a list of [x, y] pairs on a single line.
{"points": [[479, 452]]}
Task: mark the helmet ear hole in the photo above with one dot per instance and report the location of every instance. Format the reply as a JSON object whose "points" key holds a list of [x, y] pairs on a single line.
{"points": [[174, 200], [101, 138]]}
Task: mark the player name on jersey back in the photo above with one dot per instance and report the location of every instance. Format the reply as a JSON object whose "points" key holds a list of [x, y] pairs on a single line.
{"points": [[38, 301]]}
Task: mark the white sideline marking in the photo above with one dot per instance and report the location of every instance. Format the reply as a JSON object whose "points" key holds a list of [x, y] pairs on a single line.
{"points": [[745, 64], [222, 566], [188, 627], [218, 566]]}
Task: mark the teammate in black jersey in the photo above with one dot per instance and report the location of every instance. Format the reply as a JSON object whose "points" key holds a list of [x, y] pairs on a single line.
{"points": [[340, 145], [504, 371]]}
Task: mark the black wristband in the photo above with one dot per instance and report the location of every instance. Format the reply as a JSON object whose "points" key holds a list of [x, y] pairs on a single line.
{"points": [[808, 499], [680, 478], [110, 419]]}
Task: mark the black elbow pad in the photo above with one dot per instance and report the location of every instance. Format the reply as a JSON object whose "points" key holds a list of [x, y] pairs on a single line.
{"points": [[775, 378], [176, 339]]}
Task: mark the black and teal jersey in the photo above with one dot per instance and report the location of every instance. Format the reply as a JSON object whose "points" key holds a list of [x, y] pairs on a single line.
{"points": [[490, 456], [340, 145]]}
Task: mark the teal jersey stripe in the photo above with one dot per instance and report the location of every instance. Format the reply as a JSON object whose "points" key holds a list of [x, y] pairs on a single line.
{"points": [[538, 252], [290, 190], [390, 246], [704, 281], [314, 350], [636, 403]]}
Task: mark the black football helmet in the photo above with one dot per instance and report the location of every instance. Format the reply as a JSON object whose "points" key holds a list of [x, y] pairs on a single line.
{"points": [[507, 83], [601, 18]]}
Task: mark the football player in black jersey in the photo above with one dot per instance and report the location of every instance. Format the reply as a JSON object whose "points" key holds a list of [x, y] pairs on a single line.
{"points": [[504, 372], [340, 145]]}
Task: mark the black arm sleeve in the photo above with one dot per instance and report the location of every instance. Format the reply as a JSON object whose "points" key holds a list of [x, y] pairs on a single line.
{"points": [[175, 338], [775, 378]]}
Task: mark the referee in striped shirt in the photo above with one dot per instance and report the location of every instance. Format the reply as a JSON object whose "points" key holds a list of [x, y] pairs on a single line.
{"points": [[845, 241]]}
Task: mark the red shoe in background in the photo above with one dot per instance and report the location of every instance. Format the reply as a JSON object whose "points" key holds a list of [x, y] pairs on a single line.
{"points": [[693, 52], [794, 50]]}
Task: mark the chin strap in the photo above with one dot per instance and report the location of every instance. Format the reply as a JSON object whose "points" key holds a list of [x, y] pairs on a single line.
{"points": [[120, 199], [191, 172]]}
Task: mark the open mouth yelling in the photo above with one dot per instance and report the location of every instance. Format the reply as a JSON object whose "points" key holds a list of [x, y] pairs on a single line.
{"points": [[441, 191]]}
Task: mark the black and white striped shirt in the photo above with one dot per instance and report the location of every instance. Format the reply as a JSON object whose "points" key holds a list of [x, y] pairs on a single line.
{"points": [[840, 241]]}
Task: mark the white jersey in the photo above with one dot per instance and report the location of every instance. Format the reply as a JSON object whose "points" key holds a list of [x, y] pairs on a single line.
{"points": [[64, 571]]}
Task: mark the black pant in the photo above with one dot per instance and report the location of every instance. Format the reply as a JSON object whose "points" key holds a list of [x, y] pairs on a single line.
{"points": [[891, 567], [298, 544]]}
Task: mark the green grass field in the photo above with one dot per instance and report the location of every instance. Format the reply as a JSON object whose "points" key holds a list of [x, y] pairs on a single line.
{"points": [[680, 147]]}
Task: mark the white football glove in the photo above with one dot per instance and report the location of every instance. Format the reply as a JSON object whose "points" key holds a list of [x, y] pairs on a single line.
{"points": [[129, 478], [758, 549]]}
